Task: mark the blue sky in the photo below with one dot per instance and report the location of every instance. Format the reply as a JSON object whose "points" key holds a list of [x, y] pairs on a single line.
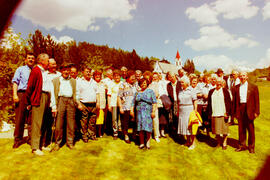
{"points": [[214, 33]]}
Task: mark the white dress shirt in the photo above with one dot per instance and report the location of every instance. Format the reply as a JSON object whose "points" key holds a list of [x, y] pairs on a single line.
{"points": [[243, 92], [65, 88], [46, 83], [87, 90]]}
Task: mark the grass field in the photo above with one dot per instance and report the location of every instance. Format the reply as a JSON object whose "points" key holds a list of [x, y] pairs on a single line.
{"points": [[108, 159]]}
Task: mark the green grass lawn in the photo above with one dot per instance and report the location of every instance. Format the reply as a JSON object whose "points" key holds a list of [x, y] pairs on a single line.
{"points": [[109, 159]]}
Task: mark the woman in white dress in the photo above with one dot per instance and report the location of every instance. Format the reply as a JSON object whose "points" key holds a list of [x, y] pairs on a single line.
{"points": [[187, 103]]}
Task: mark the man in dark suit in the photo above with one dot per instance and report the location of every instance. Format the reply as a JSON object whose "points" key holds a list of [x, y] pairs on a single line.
{"points": [[173, 88], [246, 109]]}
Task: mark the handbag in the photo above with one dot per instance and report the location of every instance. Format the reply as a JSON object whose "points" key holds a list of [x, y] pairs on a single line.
{"points": [[166, 101]]}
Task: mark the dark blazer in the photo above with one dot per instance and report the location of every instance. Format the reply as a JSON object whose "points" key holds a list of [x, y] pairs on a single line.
{"points": [[170, 90], [227, 100], [253, 103]]}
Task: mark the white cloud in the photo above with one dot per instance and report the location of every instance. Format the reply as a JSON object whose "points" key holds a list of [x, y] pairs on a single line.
{"points": [[232, 9], [266, 11], [62, 39], [265, 61], [79, 14], [216, 37], [213, 62], [229, 9], [203, 14], [166, 41]]}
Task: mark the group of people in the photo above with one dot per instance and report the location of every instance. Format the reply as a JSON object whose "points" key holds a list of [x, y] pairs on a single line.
{"points": [[118, 102]]}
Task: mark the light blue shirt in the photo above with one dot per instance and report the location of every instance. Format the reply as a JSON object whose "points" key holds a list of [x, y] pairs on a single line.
{"points": [[21, 77]]}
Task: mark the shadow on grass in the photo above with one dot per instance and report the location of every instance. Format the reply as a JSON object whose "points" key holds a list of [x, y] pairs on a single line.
{"points": [[233, 143], [207, 139]]}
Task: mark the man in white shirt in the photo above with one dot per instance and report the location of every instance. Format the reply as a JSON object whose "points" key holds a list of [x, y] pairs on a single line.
{"points": [[112, 102], [51, 73], [87, 88], [64, 96]]}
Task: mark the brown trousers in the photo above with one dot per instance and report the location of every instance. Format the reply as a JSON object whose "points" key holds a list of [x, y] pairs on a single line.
{"points": [[39, 118], [66, 106]]}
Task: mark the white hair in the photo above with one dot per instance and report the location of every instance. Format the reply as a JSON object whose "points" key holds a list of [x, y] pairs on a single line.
{"points": [[214, 76], [185, 79]]}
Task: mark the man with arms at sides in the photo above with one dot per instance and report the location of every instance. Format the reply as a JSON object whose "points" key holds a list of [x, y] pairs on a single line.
{"points": [[246, 109], [47, 128], [38, 97], [20, 81], [107, 81], [63, 100], [87, 89]]}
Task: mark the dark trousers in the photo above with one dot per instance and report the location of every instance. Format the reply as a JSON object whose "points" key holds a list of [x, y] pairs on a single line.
{"points": [[202, 111], [88, 121], [245, 124], [125, 118], [66, 107], [46, 128], [126, 122], [22, 116], [39, 117]]}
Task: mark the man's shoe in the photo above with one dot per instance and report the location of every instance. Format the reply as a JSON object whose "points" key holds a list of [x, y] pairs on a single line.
{"points": [[56, 148], [115, 137], [38, 152], [71, 147], [240, 149], [127, 141], [252, 151], [85, 140], [45, 148], [141, 146], [17, 144], [94, 139]]}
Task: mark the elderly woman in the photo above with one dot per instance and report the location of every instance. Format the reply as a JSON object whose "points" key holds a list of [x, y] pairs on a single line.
{"points": [[101, 101], [145, 103], [186, 104], [219, 109]]}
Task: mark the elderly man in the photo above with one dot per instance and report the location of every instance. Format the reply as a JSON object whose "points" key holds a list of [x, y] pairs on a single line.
{"points": [[73, 72], [63, 100], [20, 81], [52, 72], [87, 89], [246, 109], [38, 97]]}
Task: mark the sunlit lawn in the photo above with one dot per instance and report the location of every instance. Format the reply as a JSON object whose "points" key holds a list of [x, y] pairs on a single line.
{"points": [[109, 159]]}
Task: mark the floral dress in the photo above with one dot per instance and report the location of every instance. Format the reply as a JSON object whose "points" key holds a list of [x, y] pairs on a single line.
{"points": [[143, 102]]}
